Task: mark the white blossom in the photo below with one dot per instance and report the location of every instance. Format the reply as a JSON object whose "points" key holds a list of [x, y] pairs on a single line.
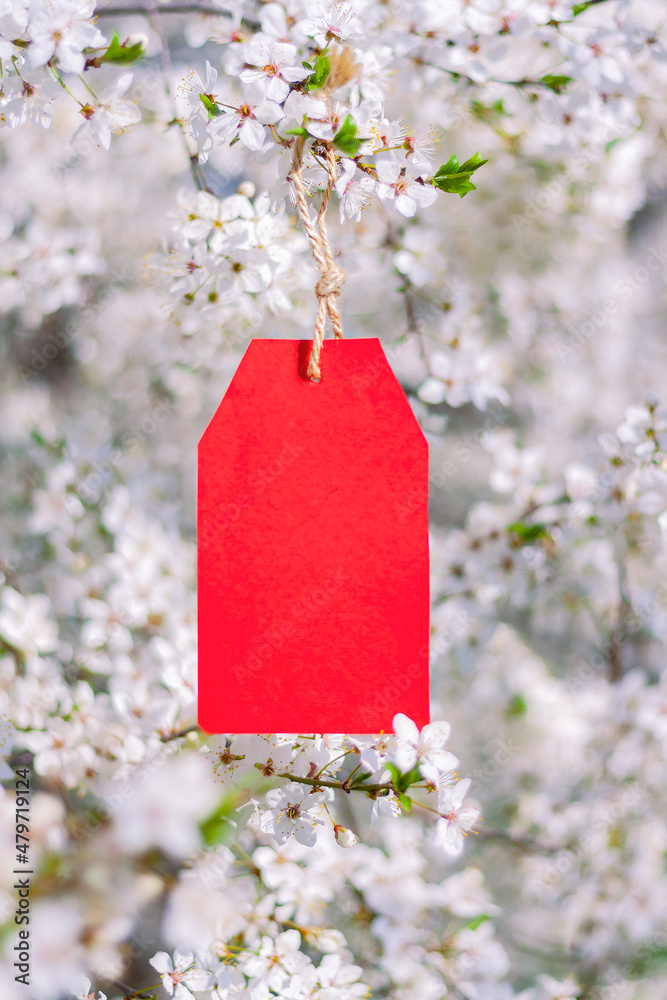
{"points": [[408, 193], [274, 66], [109, 114], [293, 811], [181, 975], [25, 622], [62, 28], [456, 818], [247, 120], [425, 749], [142, 817]]}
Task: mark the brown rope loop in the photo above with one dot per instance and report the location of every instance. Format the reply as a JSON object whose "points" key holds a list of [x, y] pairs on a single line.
{"points": [[332, 278]]}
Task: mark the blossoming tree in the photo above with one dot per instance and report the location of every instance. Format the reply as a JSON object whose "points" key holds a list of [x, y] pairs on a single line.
{"points": [[159, 162]]}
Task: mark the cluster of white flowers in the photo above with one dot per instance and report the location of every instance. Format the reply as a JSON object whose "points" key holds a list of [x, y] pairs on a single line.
{"points": [[278, 965], [560, 533], [387, 766], [41, 268], [140, 657], [42, 40], [231, 264]]}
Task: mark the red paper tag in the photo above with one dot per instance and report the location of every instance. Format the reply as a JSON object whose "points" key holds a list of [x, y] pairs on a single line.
{"points": [[313, 547]]}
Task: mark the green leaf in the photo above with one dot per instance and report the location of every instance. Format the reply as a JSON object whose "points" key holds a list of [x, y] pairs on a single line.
{"points": [[395, 774], [476, 922], [458, 184], [402, 782], [556, 83], [346, 138], [648, 958], [37, 437], [405, 801], [216, 828], [320, 74], [487, 112], [517, 705], [527, 533], [360, 777], [410, 778], [454, 178], [473, 164], [616, 838], [220, 826], [581, 7], [123, 54], [296, 131], [450, 167], [212, 108]]}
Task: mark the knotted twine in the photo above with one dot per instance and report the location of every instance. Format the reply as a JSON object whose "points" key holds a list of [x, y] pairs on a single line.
{"points": [[332, 278]]}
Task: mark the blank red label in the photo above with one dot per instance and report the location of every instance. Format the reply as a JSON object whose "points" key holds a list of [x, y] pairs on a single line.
{"points": [[313, 568]]}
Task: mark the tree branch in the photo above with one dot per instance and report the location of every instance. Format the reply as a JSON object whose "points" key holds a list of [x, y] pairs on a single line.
{"points": [[179, 734], [177, 8], [320, 783], [487, 833]]}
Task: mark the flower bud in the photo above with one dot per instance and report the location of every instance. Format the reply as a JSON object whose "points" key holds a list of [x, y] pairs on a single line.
{"points": [[246, 188], [344, 837]]}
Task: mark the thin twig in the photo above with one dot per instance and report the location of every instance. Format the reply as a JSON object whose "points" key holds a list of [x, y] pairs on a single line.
{"points": [[10, 575], [165, 58], [182, 732], [487, 833], [619, 634], [177, 8], [128, 993], [322, 783]]}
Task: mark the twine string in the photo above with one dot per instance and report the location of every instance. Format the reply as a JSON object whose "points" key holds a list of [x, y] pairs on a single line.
{"points": [[331, 278]]}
